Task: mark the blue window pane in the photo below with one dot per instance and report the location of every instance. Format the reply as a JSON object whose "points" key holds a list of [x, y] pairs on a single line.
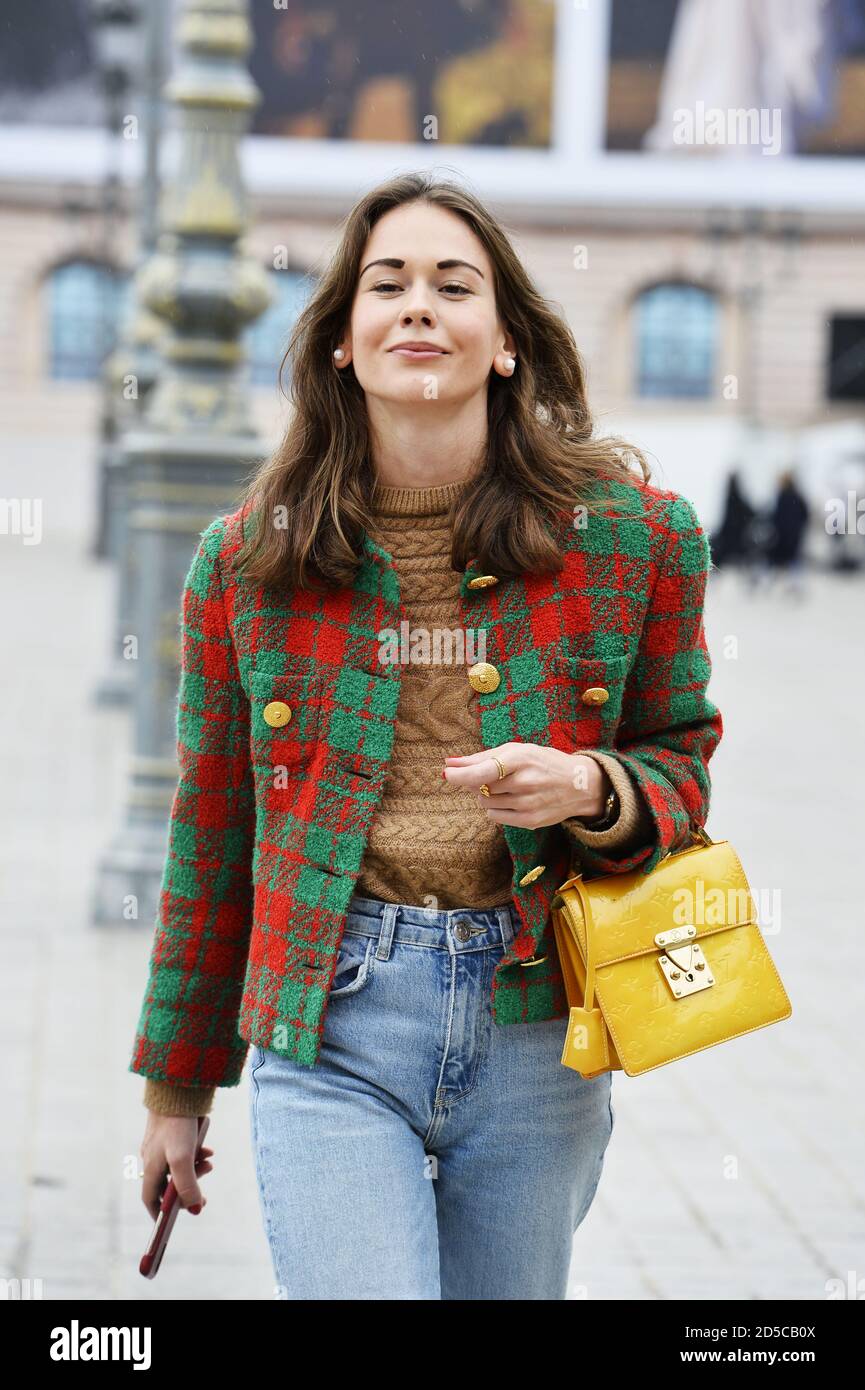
{"points": [[267, 338], [677, 329], [83, 303]]}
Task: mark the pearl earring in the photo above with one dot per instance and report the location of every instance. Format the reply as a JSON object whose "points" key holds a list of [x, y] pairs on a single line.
{"points": [[338, 354], [510, 363]]}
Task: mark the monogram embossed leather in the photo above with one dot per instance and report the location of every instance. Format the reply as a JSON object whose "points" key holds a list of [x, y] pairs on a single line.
{"points": [[661, 965]]}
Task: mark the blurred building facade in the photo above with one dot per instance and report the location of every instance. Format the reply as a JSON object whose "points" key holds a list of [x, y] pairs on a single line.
{"points": [[717, 291]]}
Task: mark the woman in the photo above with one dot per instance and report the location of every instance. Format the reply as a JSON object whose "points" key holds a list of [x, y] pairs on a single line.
{"points": [[368, 830]]}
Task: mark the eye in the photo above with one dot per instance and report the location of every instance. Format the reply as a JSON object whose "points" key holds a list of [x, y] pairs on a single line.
{"points": [[388, 285]]}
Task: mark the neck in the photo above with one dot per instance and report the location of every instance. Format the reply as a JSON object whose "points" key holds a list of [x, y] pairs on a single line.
{"points": [[420, 446]]}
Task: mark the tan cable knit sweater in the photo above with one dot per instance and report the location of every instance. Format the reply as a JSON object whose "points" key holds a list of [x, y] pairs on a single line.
{"points": [[429, 844]]}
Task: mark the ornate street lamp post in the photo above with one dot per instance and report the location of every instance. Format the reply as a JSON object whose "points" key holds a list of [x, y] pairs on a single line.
{"points": [[116, 33], [130, 370], [196, 442]]}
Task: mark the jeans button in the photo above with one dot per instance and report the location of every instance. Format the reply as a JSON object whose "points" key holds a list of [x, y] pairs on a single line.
{"points": [[463, 930]]}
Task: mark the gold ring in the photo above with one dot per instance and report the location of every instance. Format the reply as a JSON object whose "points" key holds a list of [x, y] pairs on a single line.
{"points": [[484, 789], [502, 769]]}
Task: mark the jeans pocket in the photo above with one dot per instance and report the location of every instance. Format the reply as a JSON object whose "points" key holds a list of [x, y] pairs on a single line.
{"points": [[353, 966]]}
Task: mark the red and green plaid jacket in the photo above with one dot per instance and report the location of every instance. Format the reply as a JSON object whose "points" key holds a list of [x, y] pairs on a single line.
{"points": [[269, 824]]}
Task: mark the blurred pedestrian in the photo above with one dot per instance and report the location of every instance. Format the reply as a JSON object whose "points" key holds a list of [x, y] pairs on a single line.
{"points": [[789, 517], [733, 542]]}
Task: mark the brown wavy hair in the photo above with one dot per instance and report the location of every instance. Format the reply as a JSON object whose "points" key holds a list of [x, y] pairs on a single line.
{"points": [[541, 457]]}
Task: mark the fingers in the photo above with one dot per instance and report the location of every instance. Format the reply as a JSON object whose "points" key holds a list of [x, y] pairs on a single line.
{"points": [[183, 1172], [504, 751], [471, 769], [485, 772], [153, 1186], [183, 1168]]}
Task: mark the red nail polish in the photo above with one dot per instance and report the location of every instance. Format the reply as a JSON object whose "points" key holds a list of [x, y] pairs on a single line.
{"points": [[195, 1210]]}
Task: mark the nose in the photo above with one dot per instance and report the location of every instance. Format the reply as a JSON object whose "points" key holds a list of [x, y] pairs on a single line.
{"points": [[412, 316], [419, 306]]}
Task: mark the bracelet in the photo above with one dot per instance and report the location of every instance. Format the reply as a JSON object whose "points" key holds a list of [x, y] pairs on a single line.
{"points": [[609, 815]]}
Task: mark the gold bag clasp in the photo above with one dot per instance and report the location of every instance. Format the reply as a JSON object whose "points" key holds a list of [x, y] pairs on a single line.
{"points": [[682, 962]]}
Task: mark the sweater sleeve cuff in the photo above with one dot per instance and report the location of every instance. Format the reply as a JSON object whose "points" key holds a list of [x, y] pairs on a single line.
{"points": [[164, 1099], [633, 825]]}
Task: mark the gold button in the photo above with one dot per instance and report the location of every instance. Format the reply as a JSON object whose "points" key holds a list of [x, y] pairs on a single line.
{"points": [[276, 714], [532, 875], [484, 677], [482, 581], [595, 695]]}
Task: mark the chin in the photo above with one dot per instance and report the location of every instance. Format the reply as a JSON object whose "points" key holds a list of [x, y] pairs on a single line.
{"points": [[410, 391]]}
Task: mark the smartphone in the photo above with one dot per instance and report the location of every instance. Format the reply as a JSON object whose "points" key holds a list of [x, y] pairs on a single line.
{"points": [[169, 1206]]}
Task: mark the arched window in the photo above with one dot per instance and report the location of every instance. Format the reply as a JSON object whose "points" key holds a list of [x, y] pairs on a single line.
{"points": [[267, 338], [84, 300], [676, 337]]}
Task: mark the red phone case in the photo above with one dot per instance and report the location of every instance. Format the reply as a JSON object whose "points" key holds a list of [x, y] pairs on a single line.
{"points": [[168, 1209]]}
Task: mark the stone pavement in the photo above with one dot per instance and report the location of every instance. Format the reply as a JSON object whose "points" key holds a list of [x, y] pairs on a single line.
{"points": [[737, 1174]]}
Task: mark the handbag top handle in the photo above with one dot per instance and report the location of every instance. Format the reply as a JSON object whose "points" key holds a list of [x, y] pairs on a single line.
{"points": [[697, 835]]}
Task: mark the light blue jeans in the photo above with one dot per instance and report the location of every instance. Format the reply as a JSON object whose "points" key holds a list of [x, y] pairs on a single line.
{"points": [[430, 1153]]}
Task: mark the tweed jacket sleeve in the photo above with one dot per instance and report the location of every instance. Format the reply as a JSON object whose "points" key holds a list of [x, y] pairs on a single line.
{"points": [[669, 729], [632, 827], [187, 1041]]}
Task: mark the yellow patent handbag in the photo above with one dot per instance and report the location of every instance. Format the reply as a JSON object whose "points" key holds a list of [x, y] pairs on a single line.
{"points": [[661, 965]]}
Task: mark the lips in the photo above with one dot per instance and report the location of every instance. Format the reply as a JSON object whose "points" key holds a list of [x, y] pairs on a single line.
{"points": [[418, 350]]}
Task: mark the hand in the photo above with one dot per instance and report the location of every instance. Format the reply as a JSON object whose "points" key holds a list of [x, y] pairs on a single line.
{"points": [[543, 787], [169, 1145]]}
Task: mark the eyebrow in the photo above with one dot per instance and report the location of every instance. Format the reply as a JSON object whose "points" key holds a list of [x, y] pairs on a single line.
{"points": [[396, 264]]}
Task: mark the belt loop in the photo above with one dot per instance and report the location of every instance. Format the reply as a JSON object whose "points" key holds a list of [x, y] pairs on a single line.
{"points": [[505, 924], [388, 925]]}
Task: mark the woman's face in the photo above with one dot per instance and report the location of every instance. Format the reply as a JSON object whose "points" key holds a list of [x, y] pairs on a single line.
{"points": [[435, 286]]}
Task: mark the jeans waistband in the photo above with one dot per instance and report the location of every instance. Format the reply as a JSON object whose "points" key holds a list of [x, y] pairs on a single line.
{"points": [[450, 929]]}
